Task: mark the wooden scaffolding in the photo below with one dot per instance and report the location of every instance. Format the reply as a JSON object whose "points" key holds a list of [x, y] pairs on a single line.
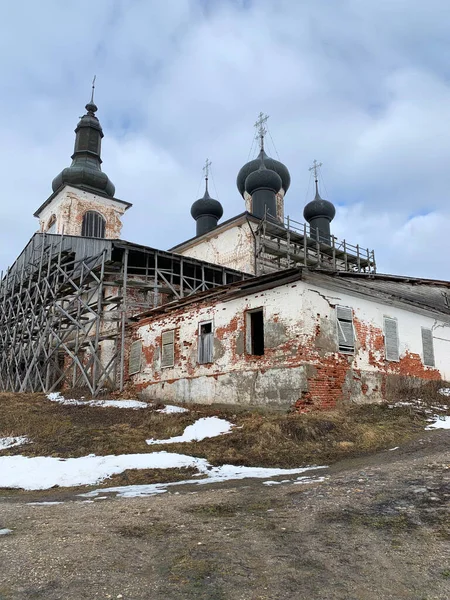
{"points": [[66, 301], [291, 244]]}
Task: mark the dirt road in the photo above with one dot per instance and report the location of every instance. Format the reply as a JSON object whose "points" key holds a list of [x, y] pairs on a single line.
{"points": [[376, 528]]}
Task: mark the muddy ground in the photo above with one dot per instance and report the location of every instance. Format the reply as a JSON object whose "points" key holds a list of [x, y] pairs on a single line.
{"points": [[377, 528]]}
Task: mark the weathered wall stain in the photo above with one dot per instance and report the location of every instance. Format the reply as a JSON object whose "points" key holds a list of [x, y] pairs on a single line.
{"points": [[301, 366]]}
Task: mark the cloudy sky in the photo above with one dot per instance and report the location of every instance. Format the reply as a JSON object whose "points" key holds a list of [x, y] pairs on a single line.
{"points": [[361, 85]]}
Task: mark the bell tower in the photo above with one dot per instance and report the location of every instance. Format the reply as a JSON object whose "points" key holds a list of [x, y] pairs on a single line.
{"points": [[83, 201]]}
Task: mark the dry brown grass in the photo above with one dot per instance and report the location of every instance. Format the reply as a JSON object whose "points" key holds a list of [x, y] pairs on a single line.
{"points": [[263, 438]]}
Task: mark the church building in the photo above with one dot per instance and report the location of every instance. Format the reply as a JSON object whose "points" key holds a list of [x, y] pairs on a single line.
{"points": [[255, 310]]}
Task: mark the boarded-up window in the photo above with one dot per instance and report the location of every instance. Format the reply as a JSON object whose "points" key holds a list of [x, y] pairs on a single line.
{"points": [[346, 335], [428, 349], [391, 339], [134, 365], [205, 343], [167, 348]]}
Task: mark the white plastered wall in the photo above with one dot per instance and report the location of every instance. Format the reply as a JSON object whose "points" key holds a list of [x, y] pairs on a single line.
{"points": [[69, 206], [233, 247], [300, 346]]}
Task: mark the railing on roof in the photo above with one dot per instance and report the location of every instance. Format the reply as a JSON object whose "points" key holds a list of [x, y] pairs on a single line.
{"points": [[289, 244]]}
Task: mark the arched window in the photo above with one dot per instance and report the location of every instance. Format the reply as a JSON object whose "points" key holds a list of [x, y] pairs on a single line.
{"points": [[51, 227], [93, 225]]}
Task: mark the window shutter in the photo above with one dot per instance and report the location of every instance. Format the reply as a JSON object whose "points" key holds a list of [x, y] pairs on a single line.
{"points": [[344, 313], [428, 349], [135, 358], [346, 335], [391, 339], [167, 349]]}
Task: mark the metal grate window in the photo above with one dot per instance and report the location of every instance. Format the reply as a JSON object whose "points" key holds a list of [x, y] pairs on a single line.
{"points": [[93, 225], [391, 339], [346, 334], [167, 348], [205, 343], [428, 348], [134, 365]]}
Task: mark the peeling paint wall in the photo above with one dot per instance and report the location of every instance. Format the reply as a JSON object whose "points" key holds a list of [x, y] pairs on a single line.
{"points": [[233, 247], [69, 207], [301, 365]]}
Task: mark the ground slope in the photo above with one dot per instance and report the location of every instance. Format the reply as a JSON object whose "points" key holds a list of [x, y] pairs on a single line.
{"points": [[376, 528]]}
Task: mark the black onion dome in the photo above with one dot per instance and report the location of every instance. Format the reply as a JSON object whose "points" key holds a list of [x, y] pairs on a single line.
{"points": [[319, 208], [85, 169], [269, 163], [206, 206], [263, 178]]}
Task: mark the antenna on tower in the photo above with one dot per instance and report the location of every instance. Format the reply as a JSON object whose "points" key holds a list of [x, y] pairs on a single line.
{"points": [[261, 129], [315, 168]]}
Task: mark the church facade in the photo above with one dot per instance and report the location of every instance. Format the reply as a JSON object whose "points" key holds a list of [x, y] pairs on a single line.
{"points": [[256, 310]]}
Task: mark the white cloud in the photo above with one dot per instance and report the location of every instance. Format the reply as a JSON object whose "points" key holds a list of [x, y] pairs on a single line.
{"points": [[364, 87]]}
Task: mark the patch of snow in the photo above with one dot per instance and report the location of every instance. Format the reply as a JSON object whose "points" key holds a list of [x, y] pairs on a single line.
{"points": [[396, 448], [5, 531], [207, 427], [274, 482], [440, 423], [43, 503], [305, 480], [169, 409], [214, 475], [10, 442], [134, 404], [397, 404], [41, 473], [445, 391]]}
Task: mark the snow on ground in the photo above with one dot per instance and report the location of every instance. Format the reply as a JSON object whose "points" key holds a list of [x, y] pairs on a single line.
{"points": [[10, 442], [169, 409], [56, 397], [299, 480], [445, 391], [5, 531], [42, 503], [207, 427], [442, 422], [214, 475], [40, 473]]}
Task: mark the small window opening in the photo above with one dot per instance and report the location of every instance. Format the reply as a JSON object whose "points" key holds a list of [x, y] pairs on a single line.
{"points": [[51, 227], [93, 225], [205, 343], [255, 339]]}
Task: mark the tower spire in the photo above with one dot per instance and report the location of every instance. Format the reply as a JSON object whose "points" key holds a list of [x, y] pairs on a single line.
{"points": [[85, 170], [93, 89], [208, 163], [319, 212], [91, 107], [206, 211], [315, 167], [261, 129]]}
